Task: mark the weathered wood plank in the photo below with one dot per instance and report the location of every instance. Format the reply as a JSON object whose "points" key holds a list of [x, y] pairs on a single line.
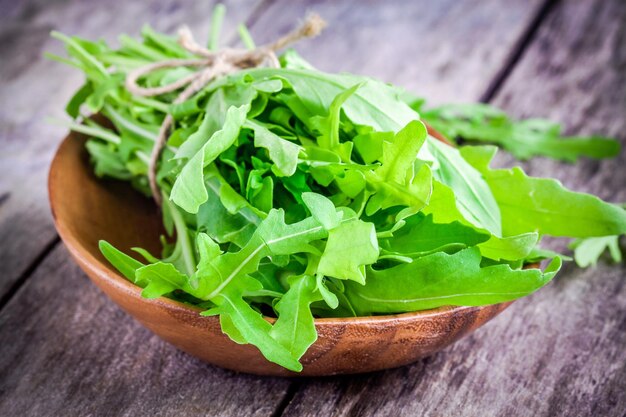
{"points": [[166, 403], [68, 350], [481, 376], [448, 51], [561, 350], [33, 88]]}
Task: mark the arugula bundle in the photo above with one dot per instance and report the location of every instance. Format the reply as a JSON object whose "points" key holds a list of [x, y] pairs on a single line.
{"points": [[293, 193]]}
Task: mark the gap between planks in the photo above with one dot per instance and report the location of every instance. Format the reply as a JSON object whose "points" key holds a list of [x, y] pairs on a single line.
{"points": [[292, 390], [30, 269], [517, 51]]}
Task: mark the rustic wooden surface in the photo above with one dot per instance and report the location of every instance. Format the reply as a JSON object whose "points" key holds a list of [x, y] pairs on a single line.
{"points": [[67, 350]]}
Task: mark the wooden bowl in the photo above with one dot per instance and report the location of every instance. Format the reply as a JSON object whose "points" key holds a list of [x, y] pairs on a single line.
{"points": [[87, 209]]}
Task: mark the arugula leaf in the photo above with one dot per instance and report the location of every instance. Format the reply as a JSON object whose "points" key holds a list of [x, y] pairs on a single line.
{"points": [[399, 154], [544, 205], [524, 139], [421, 234], [124, 263], [220, 224], [350, 247], [282, 152], [295, 327], [373, 104], [250, 325], [588, 251], [272, 237], [322, 209], [213, 121], [189, 191], [509, 248], [393, 182], [73, 106], [539, 254], [441, 279], [162, 278], [329, 125], [473, 197]]}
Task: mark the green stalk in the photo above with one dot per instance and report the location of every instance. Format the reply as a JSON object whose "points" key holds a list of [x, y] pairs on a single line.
{"points": [[217, 18], [100, 133], [245, 36], [182, 236]]}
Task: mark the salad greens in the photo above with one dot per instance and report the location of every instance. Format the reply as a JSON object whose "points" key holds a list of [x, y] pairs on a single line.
{"points": [[524, 139], [588, 251], [293, 193]]}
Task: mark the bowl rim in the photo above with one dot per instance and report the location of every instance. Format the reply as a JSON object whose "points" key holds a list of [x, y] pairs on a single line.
{"points": [[112, 276]]}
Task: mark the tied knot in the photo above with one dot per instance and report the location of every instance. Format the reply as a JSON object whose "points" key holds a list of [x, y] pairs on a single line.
{"points": [[210, 64]]}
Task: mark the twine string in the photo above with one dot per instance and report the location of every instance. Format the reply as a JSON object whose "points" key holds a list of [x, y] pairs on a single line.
{"points": [[210, 65]]}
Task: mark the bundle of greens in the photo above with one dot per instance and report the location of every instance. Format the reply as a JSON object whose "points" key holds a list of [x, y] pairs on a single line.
{"points": [[293, 193]]}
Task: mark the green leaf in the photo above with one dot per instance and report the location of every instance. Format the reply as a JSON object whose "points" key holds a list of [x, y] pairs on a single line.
{"points": [[232, 201], [165, 43], [539, 254], [250, 325], [588, 251], [329, 297], [350, 247], [414, 194], [213, 120], [524, 139], [160, 278], [352, 183], [295, 327], [222, 226], [146, 255], [208, 250], [373, 104], [421, 234], [189, 191], [73, 106], [509, 248], [329, 125], [400, 153], [322, 209], [292, 60], [283, 153], [472, 194], [262, 196], [272, 237], [370, 145], [543, 205], [88, 61], [106, 161], [441, 279], [124, 263]]}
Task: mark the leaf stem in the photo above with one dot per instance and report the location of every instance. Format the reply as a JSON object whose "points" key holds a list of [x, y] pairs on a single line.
{"points": [[182, 236], [245, 36], [216, 25]]}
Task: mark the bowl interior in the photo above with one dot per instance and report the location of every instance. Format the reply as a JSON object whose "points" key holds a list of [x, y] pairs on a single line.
{"points": [[88, 209]]}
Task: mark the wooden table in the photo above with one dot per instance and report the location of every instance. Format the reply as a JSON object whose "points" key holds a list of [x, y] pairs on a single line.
{"points": [[66, 350]]}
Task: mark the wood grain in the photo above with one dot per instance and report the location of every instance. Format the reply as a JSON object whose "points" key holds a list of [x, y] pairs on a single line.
{"points": [[67, 350], [559, 352], [448, 50], [33, 88]]}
